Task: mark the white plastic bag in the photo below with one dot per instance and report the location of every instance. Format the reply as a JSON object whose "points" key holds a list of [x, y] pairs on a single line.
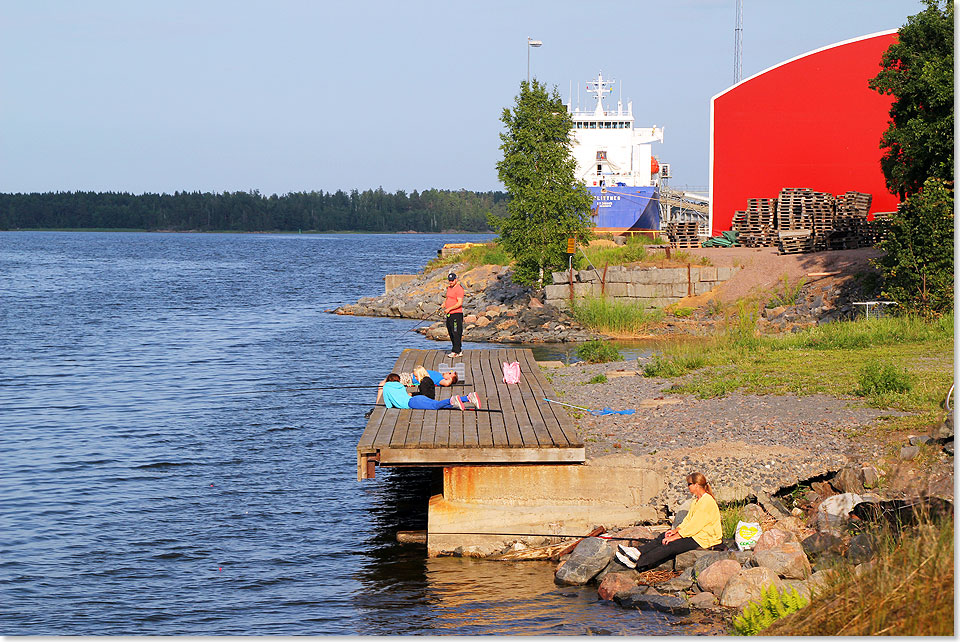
{"points": [[747, 534]]}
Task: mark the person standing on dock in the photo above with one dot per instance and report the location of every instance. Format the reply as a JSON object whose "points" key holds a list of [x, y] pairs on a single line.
{"points": [[453, 308]]}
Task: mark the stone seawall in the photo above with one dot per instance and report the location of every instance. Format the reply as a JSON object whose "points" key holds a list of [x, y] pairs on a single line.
{"points": [[652, 286]]}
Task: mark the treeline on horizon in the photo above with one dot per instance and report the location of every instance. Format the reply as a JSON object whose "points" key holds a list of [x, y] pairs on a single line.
{"points": [[368, 211]]}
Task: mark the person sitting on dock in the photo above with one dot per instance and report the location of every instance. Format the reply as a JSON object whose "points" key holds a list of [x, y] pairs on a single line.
{"points": [[699, 529], [427, 379], [395, 395]]}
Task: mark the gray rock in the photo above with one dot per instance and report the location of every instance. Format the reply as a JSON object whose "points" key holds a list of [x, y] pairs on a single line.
{"points": [[834, 512], [860, 549], [909, 452], [772, 505], [680, 583], [922, 440], [589, 558], [615, 567], [870, 476], [746, 586], [687, 559], [703, 600], [820, 543], [800, 586], [773, 538], [665, 603]]}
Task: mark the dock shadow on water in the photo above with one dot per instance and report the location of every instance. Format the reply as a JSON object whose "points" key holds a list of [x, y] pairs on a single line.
{"points": [[402, 591]]}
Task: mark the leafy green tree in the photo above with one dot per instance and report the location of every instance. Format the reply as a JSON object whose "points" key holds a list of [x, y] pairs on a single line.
{"points": [[918, 73], [918, 262], [547, 203]]}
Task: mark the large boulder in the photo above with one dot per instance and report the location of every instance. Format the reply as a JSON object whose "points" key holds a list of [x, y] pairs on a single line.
{"points": [[615, 583], [800, 586], [589, 558], [638, 599], [709, 558], [635, 533], [790, 524], [772, 539], [615, 566], [715, 577], [787, 560], [834, 512], [746, 586], [820, 543]]}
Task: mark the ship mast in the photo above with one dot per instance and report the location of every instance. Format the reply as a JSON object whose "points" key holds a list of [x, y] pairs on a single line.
{"points": [[600, 87]]}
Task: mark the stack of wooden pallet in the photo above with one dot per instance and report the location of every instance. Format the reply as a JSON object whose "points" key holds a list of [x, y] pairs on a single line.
{"points": [[756, 226], [683, 235], [851, 229], [796, 241]]}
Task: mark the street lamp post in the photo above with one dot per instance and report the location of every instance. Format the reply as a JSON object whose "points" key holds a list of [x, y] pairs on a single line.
{"points": [[531, 43]]}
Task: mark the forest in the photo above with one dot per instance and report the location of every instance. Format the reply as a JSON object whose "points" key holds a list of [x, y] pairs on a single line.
{"points": [[368, 211]]}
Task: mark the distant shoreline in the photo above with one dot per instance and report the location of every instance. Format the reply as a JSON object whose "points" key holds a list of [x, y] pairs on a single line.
{"points": [[311, 232]]}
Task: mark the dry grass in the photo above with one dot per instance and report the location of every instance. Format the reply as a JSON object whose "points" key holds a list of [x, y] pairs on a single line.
{"points": [[908, 590]]}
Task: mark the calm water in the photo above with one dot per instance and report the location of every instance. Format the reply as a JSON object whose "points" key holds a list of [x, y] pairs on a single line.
{"points": [[161, 477]]}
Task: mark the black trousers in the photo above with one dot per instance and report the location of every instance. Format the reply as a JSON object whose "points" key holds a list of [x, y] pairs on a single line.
{"points": [[655, 552], [455, 329]]}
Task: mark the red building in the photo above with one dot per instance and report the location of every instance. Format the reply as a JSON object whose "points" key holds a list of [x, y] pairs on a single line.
{"points": [[807, 122]]}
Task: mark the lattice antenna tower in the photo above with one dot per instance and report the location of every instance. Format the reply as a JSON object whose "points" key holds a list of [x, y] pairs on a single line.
{"points": [[738, 45]]}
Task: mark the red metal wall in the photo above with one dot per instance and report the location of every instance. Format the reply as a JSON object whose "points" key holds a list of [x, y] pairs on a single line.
{"points": [[807, 122]]}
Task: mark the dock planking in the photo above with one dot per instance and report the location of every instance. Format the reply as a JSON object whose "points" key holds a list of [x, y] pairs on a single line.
{"points": [[515, 424]]}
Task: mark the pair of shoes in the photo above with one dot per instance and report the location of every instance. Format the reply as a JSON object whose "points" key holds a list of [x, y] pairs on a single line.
{"points": [[457, 401], [628, 556], [474, 399], [454, 354]]}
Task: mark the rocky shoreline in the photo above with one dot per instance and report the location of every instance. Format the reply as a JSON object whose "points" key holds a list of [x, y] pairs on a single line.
{"points": [[496, 309]]}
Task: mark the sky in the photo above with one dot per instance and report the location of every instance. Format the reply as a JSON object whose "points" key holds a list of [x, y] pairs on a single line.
{"points": [[293, 95]]}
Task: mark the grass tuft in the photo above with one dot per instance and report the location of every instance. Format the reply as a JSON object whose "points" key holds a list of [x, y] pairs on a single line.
{"points": [[598, 351], [614, 317]]}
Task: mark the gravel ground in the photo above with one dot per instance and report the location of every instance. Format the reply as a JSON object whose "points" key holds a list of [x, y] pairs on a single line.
{"points": [[740, 442]]}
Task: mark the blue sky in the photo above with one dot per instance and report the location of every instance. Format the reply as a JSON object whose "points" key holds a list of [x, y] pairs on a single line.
{"points": [[292, 95]]}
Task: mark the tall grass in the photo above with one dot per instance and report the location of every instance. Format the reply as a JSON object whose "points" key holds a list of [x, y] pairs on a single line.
{"points": [[863, 333], [633, 251], [616, 318], [906, 590], [486, 254]]}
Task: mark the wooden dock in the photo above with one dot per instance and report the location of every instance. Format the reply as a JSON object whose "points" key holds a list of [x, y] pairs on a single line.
{"points": [[515, 425]]}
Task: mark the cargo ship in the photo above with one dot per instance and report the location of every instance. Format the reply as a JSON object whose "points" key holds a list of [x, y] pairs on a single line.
{"points": [[615, 160]]}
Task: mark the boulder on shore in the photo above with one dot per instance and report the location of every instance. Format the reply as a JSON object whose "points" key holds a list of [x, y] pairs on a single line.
{"points": [[616, 583], [746, 586], [589, 558], [638, 599], [715, 577], [787, 560]]}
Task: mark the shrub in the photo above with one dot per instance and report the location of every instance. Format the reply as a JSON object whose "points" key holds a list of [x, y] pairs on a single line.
{"points": [[877, 379], [475, 256], [682, 312], [730, 516], [600, 378], [773, 606], [598, 351], [677, 364]]}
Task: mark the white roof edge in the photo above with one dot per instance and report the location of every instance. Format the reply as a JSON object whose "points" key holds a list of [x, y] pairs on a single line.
{"points": [[803, 55]]}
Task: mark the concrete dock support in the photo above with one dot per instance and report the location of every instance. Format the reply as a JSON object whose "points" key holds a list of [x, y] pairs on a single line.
{"points": [[548, 499]]}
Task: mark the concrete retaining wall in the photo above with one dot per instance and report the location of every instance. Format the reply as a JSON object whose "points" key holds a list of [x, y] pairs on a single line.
{"points": [[534, 499], [391, 281], [654, 287]]}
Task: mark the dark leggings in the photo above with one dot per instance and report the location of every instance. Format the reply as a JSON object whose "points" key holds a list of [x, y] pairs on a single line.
{"points": [[455, 329], [655, 552]]}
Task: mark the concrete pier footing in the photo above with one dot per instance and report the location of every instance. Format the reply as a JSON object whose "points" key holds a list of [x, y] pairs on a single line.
{"points": [[506, 501]]}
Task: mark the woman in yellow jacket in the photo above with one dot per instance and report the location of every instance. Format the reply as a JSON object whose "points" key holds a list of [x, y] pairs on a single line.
{"points": [[699, 529]]}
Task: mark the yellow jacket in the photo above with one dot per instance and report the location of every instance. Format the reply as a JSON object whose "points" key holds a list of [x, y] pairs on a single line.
{"points": [[702, 522]]}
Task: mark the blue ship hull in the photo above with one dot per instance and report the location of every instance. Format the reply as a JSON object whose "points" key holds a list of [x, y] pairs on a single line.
{"points": [[619, 208]]}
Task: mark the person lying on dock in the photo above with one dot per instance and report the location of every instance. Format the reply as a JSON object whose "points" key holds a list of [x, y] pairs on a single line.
{"points": [[428, 379], [699, 529], [395, 395]]}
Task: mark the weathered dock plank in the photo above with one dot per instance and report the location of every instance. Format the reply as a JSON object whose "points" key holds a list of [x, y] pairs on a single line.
{"points": [[515, 424]]}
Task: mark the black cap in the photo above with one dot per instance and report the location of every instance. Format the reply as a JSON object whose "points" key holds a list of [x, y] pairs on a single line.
{"points": [[451, 277]]}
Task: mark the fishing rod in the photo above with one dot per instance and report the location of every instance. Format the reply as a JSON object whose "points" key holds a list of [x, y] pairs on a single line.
{"points": [[601, 536], [422, 321]]}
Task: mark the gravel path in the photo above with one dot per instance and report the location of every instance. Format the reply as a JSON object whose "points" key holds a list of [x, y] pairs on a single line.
{"points": [[740, 442]]}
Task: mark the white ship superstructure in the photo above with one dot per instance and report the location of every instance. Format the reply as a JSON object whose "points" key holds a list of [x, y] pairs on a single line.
{"points": [[615, 160]]}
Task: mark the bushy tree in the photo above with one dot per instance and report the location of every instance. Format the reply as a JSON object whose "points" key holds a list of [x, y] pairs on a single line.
{"points": [[547, 204], [918, 262], [918, 73]]}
